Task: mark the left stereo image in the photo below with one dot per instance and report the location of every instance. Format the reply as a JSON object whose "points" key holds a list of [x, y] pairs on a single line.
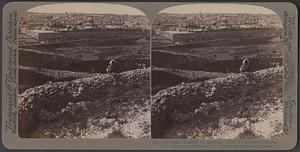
{"points": [[84, 72]]}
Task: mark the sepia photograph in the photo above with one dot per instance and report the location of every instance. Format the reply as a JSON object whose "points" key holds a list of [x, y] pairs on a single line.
{"points": [[84, 72], [216, 72]]}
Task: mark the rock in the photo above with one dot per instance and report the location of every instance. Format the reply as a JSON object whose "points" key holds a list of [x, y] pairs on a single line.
{"points": [[219, 89], [47, 102]]}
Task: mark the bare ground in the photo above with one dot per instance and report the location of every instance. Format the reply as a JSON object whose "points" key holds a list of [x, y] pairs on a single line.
{"points": [[237, 106], [99, 106]]}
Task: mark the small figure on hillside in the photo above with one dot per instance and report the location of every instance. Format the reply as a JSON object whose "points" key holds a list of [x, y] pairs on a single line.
{"points": [[78, 92], [245, 66], [112, 67], [80, 89], [275, 63], [50, 82], [142, 65]]}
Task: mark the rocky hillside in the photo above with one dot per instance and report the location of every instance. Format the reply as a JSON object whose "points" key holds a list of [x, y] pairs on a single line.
{"points": [[162, 78], [36, 58], [32, 76], [168, 59], [191, 75], [56, 74], [243, 105], [99, 106]]}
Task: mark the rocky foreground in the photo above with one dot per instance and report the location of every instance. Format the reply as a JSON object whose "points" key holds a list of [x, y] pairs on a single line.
{"points": [[99, 106], [237, 106]]}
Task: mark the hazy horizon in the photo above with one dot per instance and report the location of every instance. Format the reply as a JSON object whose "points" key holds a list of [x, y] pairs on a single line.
{"points": [[217, 9], [87, 8], [82, 13]]}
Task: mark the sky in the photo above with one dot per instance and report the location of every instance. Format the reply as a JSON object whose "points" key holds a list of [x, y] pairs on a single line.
{"points": [[217, 8], [92, 8]]}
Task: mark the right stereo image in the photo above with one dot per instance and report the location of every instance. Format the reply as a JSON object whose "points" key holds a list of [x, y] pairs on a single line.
{"points": [[217, 72]]}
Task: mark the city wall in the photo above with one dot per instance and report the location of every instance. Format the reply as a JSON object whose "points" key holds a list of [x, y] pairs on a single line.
{"points": [[97, 34], [224, 34]]}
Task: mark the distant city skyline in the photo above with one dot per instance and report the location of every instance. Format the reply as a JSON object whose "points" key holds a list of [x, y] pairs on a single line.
{"points": [[87, 8], [217, 8]]}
